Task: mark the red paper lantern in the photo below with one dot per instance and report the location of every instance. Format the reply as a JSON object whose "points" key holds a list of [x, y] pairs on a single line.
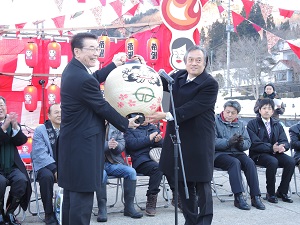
{"points": [[131, 47], [152, 50], [31, 54], [30, 98], [104, 45], [53, 95], [54, 54]]}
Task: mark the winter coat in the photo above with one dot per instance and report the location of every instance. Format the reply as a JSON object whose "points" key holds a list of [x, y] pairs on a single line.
{"points": [[294, 132], [138, 143], [194, 109], [260, 140], [82, 131], [224, 131]]}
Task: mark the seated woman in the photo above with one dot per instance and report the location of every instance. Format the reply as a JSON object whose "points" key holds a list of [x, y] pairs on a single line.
{"points": [[232, 140], [115, 166]]}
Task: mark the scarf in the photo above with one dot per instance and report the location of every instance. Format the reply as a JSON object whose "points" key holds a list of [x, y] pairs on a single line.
{"points": [[271, 96], [7, 153], [52, 138]]}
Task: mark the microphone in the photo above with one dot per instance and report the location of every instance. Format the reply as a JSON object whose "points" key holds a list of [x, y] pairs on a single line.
{"points": [[163, 74]]}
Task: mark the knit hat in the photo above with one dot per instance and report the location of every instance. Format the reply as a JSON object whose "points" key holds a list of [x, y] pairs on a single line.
{"points": [[233, 104]]}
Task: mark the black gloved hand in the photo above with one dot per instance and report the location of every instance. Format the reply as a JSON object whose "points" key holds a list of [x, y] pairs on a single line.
{"points": [[233, 140], [240, 143]]}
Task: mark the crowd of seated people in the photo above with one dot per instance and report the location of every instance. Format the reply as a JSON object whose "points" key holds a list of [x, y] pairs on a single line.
{"points": [[264, 137]]}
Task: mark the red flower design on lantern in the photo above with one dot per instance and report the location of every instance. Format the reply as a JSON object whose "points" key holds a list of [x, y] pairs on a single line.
{"points": [[131, 103], [122, 97], [120, 104], [153, 107]]}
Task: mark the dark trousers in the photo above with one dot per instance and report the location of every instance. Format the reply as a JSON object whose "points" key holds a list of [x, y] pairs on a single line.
{"points": [[198, 209], [271, 163], [46, 181], [234, 163], [17, 182], [77, 207], [150, 168]]}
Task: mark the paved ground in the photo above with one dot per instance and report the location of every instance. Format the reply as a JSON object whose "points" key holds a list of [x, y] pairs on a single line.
{"points": [[224, 212]]}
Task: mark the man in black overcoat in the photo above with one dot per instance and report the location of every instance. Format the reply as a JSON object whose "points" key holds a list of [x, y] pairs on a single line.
{"points": [[195, 94], [82, 132]]}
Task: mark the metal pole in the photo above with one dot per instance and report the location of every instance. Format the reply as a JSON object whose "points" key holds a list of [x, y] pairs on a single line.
{"points": [[228, 29]]}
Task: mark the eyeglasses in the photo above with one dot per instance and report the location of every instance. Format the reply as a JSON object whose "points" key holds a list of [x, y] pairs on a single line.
{"points": [[92, 49]]}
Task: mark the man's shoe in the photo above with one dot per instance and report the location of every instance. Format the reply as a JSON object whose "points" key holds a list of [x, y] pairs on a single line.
{"points": [[271, 198], [240, 202], [50, 219], [284, 197], [256, 202]]}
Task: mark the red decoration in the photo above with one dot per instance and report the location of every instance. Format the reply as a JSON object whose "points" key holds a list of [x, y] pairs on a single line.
{"points": [[131, 47], [286, 13], [295, 49], [104, 45], [237, 19], [54, 54], [31, 54], [152, 50], [248, 4], [30, 98], [53, 95], [59, 23]]}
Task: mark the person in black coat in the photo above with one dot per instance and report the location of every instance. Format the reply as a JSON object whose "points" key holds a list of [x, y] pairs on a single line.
{"points": [[195, 94], [12, 169], [82, 131], [294, 132], [232, 140], [268, 144]]}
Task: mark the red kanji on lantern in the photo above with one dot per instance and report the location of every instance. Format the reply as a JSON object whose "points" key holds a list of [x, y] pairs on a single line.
{"points": [[152, 50], [53, 95], [104, 45], [30, 98], [131, 47], [54, 54], [31, 54]]}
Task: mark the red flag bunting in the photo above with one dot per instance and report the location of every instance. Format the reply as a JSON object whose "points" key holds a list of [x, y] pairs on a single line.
{"points": [[117, 6], [236, 19], [59, 23], [295, 49], [132, 11], [248, 6], [154, 2], [221, 9], [286, 13], [203, 2], [19, 26], [266, 10], [272, 39], [103, 2], [81, 1]]}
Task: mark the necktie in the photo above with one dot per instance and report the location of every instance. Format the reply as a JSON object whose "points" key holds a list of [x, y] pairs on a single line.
{"points": [[57, 132], [1, 124], [268, 126]]}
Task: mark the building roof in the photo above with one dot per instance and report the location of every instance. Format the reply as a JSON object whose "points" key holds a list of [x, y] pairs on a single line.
{"points": [[286, 65]]}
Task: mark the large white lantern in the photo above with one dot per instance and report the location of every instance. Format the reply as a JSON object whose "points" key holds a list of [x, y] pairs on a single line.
{"points": [[134, 88]]}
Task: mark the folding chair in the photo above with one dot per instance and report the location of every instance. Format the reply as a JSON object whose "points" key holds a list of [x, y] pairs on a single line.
{"points": [[295, 176], [215, 187]]}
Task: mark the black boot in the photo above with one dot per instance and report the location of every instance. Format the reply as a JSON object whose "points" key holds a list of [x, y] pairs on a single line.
{"points": [[10, 217], [129, 194], [50, 219], [102, 199], [240, 202], [151, 205]]}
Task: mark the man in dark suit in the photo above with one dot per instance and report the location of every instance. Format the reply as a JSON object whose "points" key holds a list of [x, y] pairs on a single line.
{"points": [[195, 94], [82, 133], [12, 170]]}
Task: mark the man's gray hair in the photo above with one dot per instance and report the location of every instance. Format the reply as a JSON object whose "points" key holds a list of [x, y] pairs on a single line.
{"points": [[193, 48], [233, 104]]}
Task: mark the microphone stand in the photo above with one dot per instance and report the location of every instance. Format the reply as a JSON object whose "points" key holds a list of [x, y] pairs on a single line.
{"points": [[177, 149]]}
